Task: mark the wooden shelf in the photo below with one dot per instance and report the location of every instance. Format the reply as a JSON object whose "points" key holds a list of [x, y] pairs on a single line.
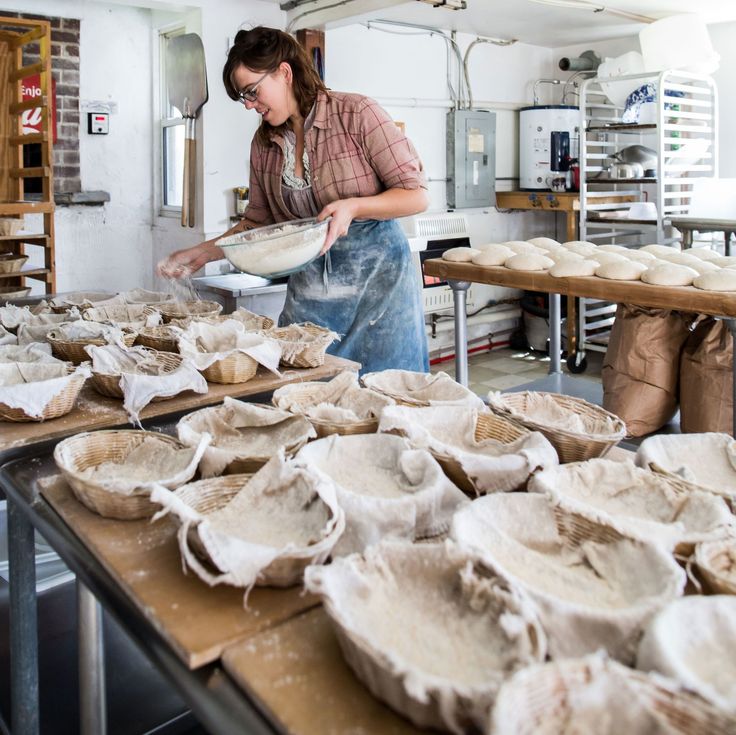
{"points": [[39, 274], [621, 128], [21, 237]]}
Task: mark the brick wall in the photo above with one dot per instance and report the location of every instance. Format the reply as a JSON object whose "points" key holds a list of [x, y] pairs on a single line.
{"points": [[65, 70]]}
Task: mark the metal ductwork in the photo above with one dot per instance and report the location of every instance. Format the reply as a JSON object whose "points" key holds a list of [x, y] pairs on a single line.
{"points": [[587, 61]]}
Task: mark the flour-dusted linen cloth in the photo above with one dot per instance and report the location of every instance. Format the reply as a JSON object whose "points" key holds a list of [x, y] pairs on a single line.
{"points": [[243, 430], [422, 389], [142, 378], [205, 344], [32, 386], [492, 465], [386, 488], [282, 519]]}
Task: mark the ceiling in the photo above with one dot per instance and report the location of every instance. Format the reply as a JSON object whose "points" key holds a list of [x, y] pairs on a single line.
{"points": [[532, 22]]}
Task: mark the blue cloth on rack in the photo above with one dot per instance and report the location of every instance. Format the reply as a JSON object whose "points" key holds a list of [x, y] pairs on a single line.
{"points": [[368, 292]]}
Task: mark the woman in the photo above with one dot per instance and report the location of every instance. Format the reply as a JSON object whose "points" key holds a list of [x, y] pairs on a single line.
{"points": [[330, 154]]}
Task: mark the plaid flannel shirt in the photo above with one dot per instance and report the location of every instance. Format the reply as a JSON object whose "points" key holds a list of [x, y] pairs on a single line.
{"points": [[355, 149]]}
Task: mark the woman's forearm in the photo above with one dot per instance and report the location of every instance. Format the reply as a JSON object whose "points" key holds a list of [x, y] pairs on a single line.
{"points": [[390, 203]]}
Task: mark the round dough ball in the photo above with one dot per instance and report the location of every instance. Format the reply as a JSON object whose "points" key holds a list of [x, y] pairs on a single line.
{"points": [[640, 256], [657, 250], [703, 266], [460, 255], [582, 248], [624, 270], [720, 280], [559, 255], [723, 261], [494, 246], [569, 268], [529, 262], [612, 248], [586, 243], [669, 274], [605, 257], [521, 246], [681, 259], [702, 253], [546, 243], [493, 256]]}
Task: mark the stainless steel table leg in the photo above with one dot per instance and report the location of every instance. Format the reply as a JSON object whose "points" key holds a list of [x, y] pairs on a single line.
{"points": [[555, 331], [460, 296], [92, 701], [731, 324], [24, 704]]}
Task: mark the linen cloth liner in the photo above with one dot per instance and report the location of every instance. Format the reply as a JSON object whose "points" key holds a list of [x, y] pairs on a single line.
{"points": [[6, 337], [693, 641], [250, 320], [437, 389], [596, 695], [241, 430], [32, 386], [544, 409], [142, 296], [588, 594], [465, 614], [11, 316], [293, 339], [636, 502], [85, 330], [493, 466], [33, 352], [243, 563], [136, 316], [30, 333], [421, 507], [205, 344], [707, 460], [141, 378], [340, 399], [87, 298], [167, 466]]}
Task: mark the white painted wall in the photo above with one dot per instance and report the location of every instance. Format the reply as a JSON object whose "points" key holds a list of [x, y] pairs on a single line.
{"points": [[108, 247]]}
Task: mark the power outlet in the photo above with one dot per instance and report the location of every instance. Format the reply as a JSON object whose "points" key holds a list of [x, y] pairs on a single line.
{"points": [[98, 123]]}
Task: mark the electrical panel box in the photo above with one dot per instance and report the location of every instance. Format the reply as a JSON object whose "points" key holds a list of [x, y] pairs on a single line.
{"points": [[471, 158], [98, 123]]}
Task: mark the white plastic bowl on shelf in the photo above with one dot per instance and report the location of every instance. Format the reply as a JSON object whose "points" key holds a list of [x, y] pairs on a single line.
{"points": [[276, 250]]}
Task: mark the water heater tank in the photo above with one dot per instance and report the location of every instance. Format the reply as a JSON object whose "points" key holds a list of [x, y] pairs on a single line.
{"points": [[549, 135]]}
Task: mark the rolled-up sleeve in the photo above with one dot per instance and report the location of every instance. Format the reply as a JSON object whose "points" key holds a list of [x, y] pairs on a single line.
{"points": [[389, 152]]}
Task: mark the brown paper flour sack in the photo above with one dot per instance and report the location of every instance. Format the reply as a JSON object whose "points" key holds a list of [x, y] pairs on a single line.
{"points": [[706, 380], [641, 367]]}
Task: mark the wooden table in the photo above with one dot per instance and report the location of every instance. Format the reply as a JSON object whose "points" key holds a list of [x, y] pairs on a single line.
{"points": [[682, 298], [688, 225], [95, 411]]}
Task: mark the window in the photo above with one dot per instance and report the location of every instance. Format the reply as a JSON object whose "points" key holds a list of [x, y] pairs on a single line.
{"points": [[172, 137]]}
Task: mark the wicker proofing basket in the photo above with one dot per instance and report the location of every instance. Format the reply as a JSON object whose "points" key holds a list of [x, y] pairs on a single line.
{"points": [[78, 453], [184, 309], [312, 354], [235, 368], [60, 404], [539, 701], [108, 384], [301, 395], [714, 559], [12, 263], [8, 293], [570, 445], [73, 350], [488, 426], [162, 339]]}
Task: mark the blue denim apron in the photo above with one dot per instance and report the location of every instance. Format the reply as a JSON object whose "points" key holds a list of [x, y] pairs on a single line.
{"points": [[367, 292]]}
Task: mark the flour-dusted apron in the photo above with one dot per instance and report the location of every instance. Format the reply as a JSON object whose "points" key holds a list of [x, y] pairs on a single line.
{"points": [[369, 294]]}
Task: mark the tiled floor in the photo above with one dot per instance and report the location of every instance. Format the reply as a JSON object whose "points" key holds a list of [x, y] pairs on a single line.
{"points": [[505, 368]]}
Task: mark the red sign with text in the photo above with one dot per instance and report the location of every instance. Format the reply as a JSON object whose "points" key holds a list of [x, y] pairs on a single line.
{"points": [[31, 119]]}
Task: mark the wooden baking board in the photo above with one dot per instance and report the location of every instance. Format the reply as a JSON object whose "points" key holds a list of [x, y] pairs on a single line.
{"points": [[298, 677], [198, 621], [682, 298], [94, 411]]}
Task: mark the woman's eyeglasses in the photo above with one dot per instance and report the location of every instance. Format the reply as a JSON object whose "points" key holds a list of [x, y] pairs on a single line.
{"points": [[251, 94]]}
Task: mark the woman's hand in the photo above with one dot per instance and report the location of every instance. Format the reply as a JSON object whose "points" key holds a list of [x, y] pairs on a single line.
{"points": [[183, 263], [342, 212]]}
